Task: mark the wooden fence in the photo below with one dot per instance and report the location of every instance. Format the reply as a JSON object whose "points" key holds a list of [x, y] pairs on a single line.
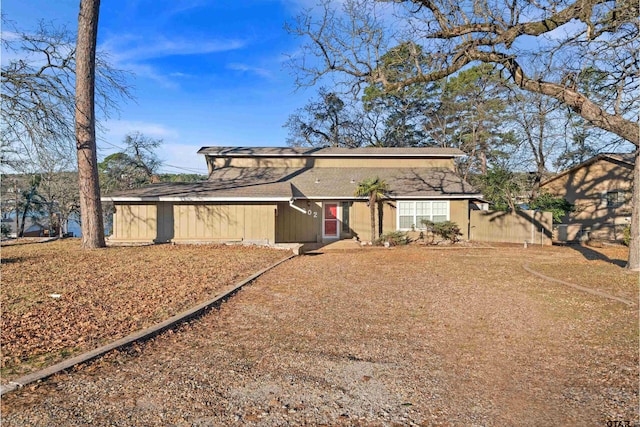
{"points": [[532, 227]]}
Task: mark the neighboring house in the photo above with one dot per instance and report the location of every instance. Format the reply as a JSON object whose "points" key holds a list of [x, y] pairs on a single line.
{"points": [[32, 225], [270, 195], [600, 189], [36, 225]]}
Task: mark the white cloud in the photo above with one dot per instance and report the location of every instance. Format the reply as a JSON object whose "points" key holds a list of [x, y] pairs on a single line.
{"points": [[130, 52], [181, 75], [262, 72], [116, 130], [183, 158], [151, 73], [9, 35], [132, 48], [176, 157]]}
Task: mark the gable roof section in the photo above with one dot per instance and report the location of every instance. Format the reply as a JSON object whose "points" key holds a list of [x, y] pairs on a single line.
{"points": [[283, 184], [225, 184], [341, 183], [622, 159], [330, 152]]}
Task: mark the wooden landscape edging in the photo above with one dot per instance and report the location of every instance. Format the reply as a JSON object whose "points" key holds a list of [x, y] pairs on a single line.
{"points": [[578, 287], [141, 335]]}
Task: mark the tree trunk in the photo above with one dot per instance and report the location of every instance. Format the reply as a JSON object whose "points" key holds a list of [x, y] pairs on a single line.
{"points": [[20, 230], [634, 243], [15, 193], [90, 207], [537, 180], [27, 206], [380, 217], [372, 211]]}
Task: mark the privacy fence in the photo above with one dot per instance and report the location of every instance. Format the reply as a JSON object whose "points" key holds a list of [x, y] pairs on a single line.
{"points": [[532, 227]]}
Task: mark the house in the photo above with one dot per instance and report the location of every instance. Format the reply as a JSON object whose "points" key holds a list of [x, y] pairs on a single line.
{"points": [[268, 195], [32, 226], [600, 189], [38, 226]]}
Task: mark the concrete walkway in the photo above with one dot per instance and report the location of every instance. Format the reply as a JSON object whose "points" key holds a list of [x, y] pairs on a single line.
{"points": [[338, 245]]}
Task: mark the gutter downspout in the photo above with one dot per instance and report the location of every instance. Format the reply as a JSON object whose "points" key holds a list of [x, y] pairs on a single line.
{"points": [[298, 208]]}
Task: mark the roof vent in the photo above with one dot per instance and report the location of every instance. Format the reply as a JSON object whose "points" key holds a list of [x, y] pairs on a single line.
{"points": [[317, 180], [353, 181]]}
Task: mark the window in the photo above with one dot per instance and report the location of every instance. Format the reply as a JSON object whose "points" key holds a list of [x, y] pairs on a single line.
{"points": [[423, 212], [345, 217], [406, 215], [412, 213], [615, 199]]}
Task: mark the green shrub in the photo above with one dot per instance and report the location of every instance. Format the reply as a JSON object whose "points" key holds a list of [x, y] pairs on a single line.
{"points": [[5, 230], [558, 206], [626, 235], [447, 230], [394, 238]]}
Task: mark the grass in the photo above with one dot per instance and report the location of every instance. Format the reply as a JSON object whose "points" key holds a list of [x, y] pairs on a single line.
{"points": [[105, 294]]}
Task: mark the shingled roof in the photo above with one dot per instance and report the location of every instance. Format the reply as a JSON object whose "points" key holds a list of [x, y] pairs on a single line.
{"points": [[280, 184], [622, 159], [341, 183], [329, 152], [223, 184]]}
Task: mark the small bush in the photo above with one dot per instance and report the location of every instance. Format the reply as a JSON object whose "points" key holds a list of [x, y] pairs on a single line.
{"points": [[447, 230], [558, 206], [626, 235], [5, 230], [394, 238]]}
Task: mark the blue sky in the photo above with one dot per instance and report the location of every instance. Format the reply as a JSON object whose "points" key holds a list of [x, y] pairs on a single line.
{"points": [[206, 72]]}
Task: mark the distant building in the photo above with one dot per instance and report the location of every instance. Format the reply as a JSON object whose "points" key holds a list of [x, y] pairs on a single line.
{"points": [[37, 226], [32, 225], [600, 189]]}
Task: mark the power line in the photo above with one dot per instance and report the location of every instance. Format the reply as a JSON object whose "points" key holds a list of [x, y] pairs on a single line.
{"points": [[111, 145], [200, 171]]}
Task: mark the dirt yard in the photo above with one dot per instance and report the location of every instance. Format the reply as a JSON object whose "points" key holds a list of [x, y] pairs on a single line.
{"points": [[58, 300], [402, 336]]}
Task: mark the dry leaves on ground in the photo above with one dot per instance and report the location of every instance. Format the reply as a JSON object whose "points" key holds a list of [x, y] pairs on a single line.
{"points": [[58, 299], [404, 336]]}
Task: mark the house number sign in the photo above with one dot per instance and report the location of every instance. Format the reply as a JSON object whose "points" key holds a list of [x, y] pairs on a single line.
{"points": [[312, 213]]}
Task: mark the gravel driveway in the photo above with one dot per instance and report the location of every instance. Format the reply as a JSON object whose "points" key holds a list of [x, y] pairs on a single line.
{"points": [[407, 336]]}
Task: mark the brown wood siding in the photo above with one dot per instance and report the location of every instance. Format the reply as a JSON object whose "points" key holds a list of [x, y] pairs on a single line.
{"points": [[260, 162], [459, 213], [136, 222], [361, 219], [530, 226], [384, 163], [295, 226], [253, 222], [332, 162], [586, 188]]}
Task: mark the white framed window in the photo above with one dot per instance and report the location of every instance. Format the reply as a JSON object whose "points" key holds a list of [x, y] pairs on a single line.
{"points": [[411, 213]]}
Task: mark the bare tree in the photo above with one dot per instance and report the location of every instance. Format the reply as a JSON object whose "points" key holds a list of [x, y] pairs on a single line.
{"points": [[540, 132], [90, 207], [570, 35], [38, 94], [325, 121], [38, 99]]}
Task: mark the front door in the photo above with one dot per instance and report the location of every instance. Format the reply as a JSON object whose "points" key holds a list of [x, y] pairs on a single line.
{"points": [[330, 228]]}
